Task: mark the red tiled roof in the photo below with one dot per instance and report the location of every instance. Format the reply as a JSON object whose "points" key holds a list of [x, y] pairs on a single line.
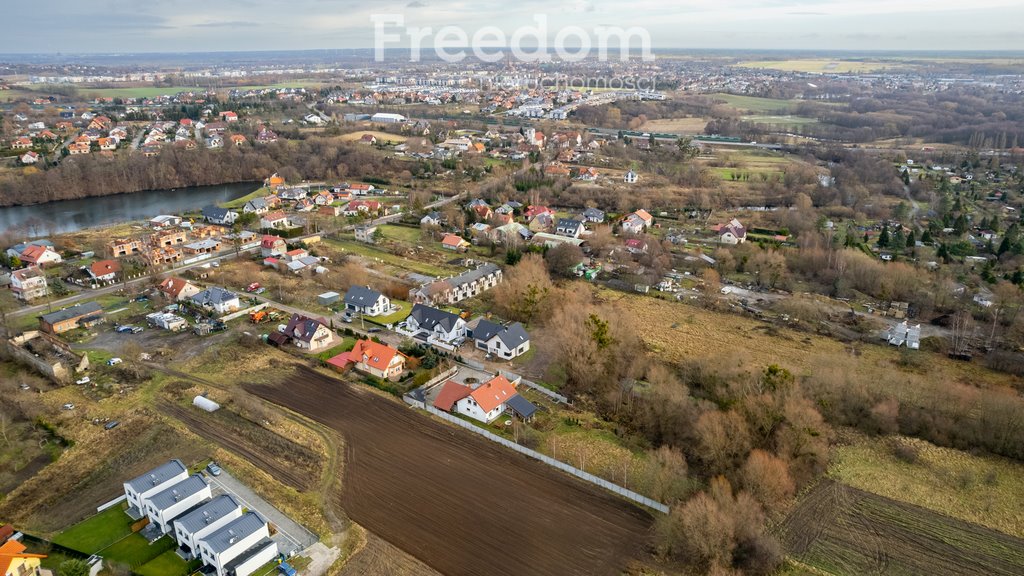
{"points": [[104, 267], [451, 393], [493, 393]]}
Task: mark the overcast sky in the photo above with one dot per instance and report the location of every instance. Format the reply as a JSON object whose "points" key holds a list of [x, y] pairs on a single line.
{"points": [[213, 25]]}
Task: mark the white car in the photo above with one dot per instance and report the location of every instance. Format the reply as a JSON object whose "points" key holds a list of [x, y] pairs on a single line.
{"points": [[114, 361], [84, 380], [68, 406]]}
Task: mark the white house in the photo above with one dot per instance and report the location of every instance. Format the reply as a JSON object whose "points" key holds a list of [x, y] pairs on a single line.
{"points": [[218, 215], [277, 220], [256, 206], [309, 333], [218, 299], [631, 177], [487, 401], [366, 301], [732, 233], [457, 288], [156, 480], [28, 283], [169, 503], [502, 341], [569, 227], [435, 326], [239, 547], [190, 528]]}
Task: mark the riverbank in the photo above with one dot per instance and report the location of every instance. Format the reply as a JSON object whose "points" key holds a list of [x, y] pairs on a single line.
{"points": [[69, 216]]}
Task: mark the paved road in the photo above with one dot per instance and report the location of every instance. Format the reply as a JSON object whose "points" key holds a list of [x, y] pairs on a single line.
{"points": [[291, 536], [90, 294]]}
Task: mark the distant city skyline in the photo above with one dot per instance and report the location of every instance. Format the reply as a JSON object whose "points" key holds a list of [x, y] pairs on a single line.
{"points": [[105, 26]]}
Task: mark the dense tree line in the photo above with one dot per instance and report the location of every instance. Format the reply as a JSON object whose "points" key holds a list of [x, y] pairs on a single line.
{"points": [[88, 176]]}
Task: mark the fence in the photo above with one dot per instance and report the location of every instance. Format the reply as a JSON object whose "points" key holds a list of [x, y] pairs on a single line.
{"points": [[545, 391], [625, 493], [117, 500]]}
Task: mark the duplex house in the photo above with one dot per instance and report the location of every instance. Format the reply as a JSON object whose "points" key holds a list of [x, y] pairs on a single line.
{"points": [[191, 527], [309, 333], [119, 247], [593, 215], [372, 358], [138, 489], [164, 506], [218, 215], [71, 317], [434, 325], [569, 227], [28, 283], [256, 206], [177, 289], [487, 401], [104, 270], [239, 547], [458, 288], [502, 341], [366, 301], [217, 299]]}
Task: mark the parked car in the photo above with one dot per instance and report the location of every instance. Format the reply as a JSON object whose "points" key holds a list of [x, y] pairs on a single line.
{"points": [[213, 469], [373, 330], [136, 329], [84, 380], [68, 406], [111, 425], [122, 329], [114, 361], [260, 290]]}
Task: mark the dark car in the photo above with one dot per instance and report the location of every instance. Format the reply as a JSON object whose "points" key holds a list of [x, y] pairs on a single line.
{"points": [[111, 425]]}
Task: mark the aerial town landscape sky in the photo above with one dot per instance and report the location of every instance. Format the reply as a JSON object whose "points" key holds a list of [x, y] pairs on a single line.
{"points": [[201, 25]]}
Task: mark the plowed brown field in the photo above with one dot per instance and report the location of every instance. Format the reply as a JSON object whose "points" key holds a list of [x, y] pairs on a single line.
{"points": [[457, 502]]}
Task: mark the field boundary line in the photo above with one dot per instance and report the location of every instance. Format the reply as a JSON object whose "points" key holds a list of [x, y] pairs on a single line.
{"points": [[581, 474]]}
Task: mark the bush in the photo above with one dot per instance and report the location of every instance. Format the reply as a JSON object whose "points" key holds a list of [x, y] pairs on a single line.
{"points": [[907, 453]]}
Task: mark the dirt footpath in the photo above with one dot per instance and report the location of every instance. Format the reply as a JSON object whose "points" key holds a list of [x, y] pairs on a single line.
{"points": [[457, 502]]}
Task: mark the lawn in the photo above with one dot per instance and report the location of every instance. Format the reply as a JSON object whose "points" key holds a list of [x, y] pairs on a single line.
{"points": [[240, 202], [166, 564], [985, 490], [786, 120], [382, 137], [404, 308], [97, 532], [345, 346], [405, 234], [134, 550]]}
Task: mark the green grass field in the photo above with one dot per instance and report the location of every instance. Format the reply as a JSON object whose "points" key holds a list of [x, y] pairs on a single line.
{"points": [[757, 105], [240, 202], [97, 532], [166, 564], [401, 233], [404, 308], [134, 550]]}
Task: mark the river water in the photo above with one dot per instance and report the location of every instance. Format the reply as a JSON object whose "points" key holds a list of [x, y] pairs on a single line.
{"points": [[73, 215]]}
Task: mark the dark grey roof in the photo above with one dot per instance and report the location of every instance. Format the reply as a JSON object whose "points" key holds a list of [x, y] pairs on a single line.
{"points": [[72, 312], [593, 213], [521, 406], [207, 513], [473, 275], [215, 212], [213, 295], [157, 476], [512, 335], [185, 489], [306, 327], [258, 203], [361, 296], [257, 548], [428, 317], [569, 223], [228, 535]]}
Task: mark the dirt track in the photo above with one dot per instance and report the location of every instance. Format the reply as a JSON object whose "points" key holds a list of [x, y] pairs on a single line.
{"points": [[461, 504], [208, 429], [847, 531]]}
